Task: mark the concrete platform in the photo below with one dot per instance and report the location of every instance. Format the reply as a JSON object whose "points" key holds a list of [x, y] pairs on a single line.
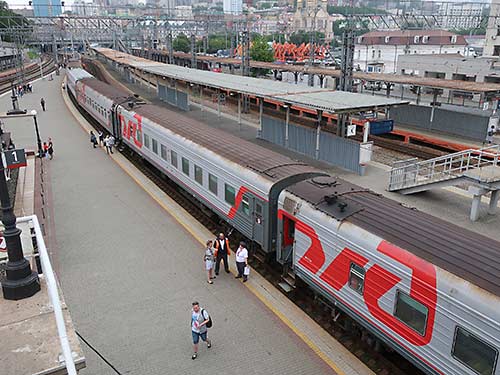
{"points": [[29, 339], [130, 272]]}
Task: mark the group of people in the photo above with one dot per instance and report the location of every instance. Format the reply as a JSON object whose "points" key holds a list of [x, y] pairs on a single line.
{"points": [[23, 89], [108, 141], [48, 149], [218, 251]]}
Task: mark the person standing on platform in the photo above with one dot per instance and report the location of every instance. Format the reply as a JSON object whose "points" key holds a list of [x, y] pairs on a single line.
{"points": [[93, 139], [242, 261], [100, 134], [50, 149], [45, 149], [209, 262], [222, 251], [111, 141], [199, 321], [42, 103]]}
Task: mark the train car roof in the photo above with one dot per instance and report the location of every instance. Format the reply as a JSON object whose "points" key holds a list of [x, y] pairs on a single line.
{"points": [[79, 73], [109, 91], [270, 165], [469, 255]]}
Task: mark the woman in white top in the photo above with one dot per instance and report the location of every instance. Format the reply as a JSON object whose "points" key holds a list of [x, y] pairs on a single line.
{"points": [[209, 262], [242, 261]]}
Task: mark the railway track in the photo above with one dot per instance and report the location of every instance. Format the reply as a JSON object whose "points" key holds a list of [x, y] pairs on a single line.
{"points": [[31, 73], [377, 357]]}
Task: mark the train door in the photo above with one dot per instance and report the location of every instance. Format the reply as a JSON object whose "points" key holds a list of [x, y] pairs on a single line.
{"points": [[258, 222], [287, 240]]}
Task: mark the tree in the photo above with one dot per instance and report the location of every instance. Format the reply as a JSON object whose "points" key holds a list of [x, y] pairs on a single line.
{"points": [[302, 36], [261, 51], [8, 18], [181, 43]]}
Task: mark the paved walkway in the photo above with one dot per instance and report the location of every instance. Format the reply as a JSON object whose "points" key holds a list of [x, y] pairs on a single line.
{"points": [[129, 272]]}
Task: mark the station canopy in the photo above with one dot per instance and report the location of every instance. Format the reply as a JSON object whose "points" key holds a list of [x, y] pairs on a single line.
{"points": [[331, 101]]}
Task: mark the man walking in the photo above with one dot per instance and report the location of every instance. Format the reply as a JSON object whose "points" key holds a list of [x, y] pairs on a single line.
{"points": [[42, 103], [242, 261], [222, 250], [199, 323], [100, 134]]}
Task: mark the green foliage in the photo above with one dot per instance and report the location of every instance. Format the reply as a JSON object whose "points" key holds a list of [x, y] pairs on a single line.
{"points": [[181, 43], [472, 31], [302, 36], [9, 18], [345, 10], [261, 51]]}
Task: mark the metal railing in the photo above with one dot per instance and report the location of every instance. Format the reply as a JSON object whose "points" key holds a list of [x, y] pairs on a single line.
{"points": [[410, 173], [50, 279]]}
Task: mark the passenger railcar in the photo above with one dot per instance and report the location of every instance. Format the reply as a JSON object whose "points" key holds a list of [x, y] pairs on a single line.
{"points": [[426, 288]]}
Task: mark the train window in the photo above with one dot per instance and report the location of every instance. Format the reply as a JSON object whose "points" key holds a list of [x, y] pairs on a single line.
{"points": [[357, 278], [229, 194], [185, 166], [212, 183], [474, 353], [245, 205], [411, 312], [147, 143], [173, 158], [155, 145], [163, 151], [198, 174]]}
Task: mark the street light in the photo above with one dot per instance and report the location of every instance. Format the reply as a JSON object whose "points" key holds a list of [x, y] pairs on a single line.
{"points": [[39, 141], [21, 282]]}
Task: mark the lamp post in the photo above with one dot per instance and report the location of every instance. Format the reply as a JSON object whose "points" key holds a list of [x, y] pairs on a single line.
{"points": [[38, 140], [21, 282]]}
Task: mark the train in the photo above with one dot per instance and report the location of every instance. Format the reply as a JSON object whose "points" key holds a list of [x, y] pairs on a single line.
{"points": [[422, 286]]}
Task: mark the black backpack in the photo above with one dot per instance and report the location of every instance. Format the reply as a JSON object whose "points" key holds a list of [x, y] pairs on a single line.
{"points": [[209, 323]]}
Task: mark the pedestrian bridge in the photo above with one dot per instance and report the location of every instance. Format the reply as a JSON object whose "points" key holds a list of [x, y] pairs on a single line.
{"points": [[477, 168]]}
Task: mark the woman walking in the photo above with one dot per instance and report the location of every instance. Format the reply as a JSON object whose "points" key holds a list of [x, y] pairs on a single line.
{"points": [[209, 262]]}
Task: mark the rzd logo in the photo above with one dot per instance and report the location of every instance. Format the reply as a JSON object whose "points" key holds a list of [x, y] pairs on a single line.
{"points": [[378, 281], [132, 129]]}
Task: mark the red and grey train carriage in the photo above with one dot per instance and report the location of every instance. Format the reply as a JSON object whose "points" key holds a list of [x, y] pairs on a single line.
{"points": [[426, 288]]}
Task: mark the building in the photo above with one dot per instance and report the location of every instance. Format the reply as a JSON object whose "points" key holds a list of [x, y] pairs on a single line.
{"points": [[378, 51], [47, 8], [184, 12], [234, 7], [312, 15], [492, 43], [460, 15]]}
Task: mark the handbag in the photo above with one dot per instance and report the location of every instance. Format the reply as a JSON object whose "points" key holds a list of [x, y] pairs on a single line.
{"points": [[246, 271]]}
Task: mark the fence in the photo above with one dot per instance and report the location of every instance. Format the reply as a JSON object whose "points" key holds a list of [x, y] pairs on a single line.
{"points": [[334, 150], [465, 123], [174, 97]]}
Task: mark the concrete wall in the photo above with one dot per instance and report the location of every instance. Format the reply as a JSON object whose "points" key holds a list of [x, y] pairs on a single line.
{"points": [[388, 55], [450, 66]]}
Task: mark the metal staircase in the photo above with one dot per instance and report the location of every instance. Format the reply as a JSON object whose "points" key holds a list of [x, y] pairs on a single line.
{"points": [[480, 166]]}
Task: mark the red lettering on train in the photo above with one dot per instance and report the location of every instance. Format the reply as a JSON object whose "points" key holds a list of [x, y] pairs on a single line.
{"points": [[379, 281], [314, 257], [337, 273], [237, 202], [132, 129]]}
